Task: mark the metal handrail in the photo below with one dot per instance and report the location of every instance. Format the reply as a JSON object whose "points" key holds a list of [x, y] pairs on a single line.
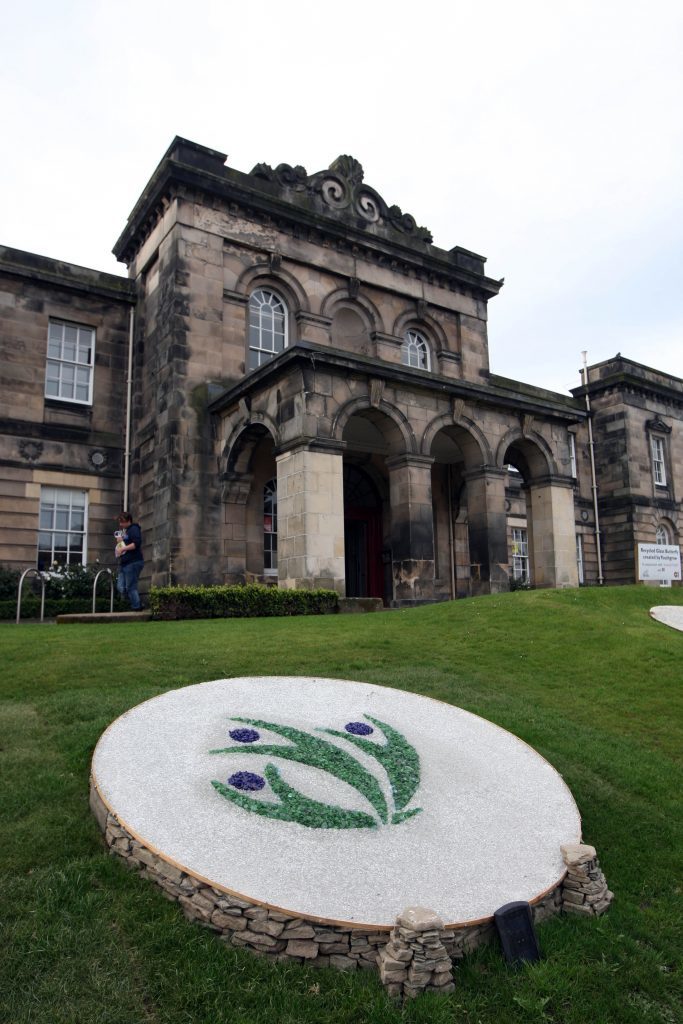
{"points": [[111, 590], [40, 576]]}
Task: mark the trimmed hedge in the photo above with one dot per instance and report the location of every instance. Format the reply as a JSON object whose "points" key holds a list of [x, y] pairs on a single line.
{"points": [[238, 601]]}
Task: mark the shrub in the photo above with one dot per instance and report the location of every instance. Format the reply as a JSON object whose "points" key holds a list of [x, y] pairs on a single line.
{"points": [[239, 601], [520, 584], [9, 583]]}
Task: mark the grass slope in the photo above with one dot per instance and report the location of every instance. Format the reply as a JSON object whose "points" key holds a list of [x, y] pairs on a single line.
{"points": [[586, 677]]}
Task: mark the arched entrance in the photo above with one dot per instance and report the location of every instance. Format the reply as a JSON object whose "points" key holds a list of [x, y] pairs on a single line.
{"points": [[249, 493], [362, 535], [542, 547]]}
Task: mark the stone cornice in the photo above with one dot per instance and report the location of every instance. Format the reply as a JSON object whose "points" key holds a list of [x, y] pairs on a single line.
{"points": [[329, 207], [43, 270], [526, 398], [238, 298], [69, 434], [303, 316], [625, 376]]}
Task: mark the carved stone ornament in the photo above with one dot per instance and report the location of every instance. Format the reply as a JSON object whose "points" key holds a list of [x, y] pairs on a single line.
{"points": [[348, 167], [274, 262], [353, 287], [98, 458], [284, 174], [376, 392], [30, 450], [657, 426], [341, 188], [458, 408]]}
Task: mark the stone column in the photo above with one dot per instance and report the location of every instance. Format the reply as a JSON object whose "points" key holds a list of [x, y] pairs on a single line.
{"points": [[412, 528], [552, 533], [487, 530], [310, 495]]}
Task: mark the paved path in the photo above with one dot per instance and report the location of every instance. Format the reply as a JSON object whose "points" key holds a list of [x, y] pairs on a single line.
{"points": [[669, 614]]}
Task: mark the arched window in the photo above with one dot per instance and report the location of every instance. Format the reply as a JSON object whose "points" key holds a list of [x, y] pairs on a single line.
{"points": [[415, 351], [270, 528], [267, 326], [662, 535]]}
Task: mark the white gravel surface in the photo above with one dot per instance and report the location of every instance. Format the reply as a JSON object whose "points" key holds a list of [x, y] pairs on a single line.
{"points": [[494, 812], [669, 614]]}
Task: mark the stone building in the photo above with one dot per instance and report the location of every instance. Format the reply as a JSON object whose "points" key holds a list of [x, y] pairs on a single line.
{"points": [[293, 385]]}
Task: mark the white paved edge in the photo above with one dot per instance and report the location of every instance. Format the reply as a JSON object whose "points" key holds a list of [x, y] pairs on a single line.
{"points": [[356, 925], [669, 615]]}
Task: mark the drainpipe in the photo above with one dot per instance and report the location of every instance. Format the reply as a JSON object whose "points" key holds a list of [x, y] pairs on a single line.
{"points": [[594, 485], [129, 399]]}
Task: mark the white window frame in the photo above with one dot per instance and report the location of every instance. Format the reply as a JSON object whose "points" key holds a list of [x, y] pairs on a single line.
{"points": [[662, 534], [70, 362], [415, 351], [520, 554], [63, 526], [268, 331], [580, 557], [270, 528], [658, 450], [572, 454]]}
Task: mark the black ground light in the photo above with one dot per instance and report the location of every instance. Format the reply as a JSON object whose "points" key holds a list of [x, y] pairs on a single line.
{"points": [[516, 930]]}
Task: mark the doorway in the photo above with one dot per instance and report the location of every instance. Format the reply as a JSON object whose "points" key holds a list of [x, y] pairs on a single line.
{"points": [[362, 535]]}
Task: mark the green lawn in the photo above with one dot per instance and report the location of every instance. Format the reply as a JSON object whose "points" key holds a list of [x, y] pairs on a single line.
{"points": [[586, 677]]}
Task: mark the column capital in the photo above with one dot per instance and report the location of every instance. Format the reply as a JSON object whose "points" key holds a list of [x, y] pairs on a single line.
{"points": [[311, 444], [410, 459], [552, 480], [483, 472]]}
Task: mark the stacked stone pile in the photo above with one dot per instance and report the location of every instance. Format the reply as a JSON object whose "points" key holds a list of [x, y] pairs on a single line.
{"points": [[584, 890], [415, 959]]}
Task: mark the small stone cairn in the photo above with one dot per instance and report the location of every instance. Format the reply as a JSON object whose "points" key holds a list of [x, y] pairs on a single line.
{"points": [[584, 890], [415, 959]]}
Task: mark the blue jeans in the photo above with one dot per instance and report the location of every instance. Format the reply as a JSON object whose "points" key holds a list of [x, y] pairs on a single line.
{"points": [[127, 583]]}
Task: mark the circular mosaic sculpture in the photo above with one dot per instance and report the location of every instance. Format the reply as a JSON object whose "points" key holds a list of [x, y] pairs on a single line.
{"points": [[337, 801]]}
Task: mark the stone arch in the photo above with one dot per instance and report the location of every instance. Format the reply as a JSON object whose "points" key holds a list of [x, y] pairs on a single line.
{"points": [[244, 437], [426, 324], [668, 523], [261, 275], [532, 452], [366, 309], [249, 464], [391, 423], [470, 438]]}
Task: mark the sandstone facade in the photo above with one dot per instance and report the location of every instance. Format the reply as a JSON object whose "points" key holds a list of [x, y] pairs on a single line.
{"points": [[294, 335]]}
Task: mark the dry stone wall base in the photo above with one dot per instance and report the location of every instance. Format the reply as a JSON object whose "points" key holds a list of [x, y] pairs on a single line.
{"points": [[272, 933], [584, 890]]}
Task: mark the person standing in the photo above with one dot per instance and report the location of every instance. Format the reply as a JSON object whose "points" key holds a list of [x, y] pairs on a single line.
{"points": [[131, 561]]}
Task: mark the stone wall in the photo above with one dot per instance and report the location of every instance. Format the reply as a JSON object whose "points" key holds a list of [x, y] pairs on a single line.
{"points": [[272, 932], [49, 441]]}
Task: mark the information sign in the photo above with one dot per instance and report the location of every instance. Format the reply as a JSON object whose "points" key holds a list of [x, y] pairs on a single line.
{"points": [[659, 562]]}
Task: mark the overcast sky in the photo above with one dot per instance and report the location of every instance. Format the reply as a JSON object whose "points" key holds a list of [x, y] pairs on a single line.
{"points": [[545, 136]]}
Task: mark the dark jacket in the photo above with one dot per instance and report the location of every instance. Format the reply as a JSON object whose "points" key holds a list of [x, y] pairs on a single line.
{"points": [[132, 535]]}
